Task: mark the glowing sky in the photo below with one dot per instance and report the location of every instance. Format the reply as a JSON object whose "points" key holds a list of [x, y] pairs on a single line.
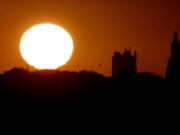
{"points": [[98, 28]]}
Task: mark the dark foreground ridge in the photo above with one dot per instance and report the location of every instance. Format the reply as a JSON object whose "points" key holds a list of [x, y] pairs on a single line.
{"points": [[136, 100], [87, 89]]}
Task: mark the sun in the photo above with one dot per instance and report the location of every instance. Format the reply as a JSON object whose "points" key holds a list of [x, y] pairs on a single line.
{"points": [[46, 46]]}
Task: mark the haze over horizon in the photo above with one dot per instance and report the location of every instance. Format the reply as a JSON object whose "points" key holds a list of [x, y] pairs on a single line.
{"points": [[98, 28]]}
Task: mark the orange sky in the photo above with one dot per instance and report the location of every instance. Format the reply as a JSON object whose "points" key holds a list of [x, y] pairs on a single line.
{"points": [[98, 28]]}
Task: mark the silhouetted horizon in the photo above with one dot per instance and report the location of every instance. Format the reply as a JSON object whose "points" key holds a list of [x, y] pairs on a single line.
{"points": [[62, 87], [117, 64]]}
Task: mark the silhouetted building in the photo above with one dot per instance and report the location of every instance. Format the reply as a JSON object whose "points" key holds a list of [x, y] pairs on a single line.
{"points": [[173, 69], [123, 62]]}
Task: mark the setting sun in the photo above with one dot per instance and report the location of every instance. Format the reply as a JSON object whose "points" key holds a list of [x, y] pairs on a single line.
{"points": [[46, 46]]}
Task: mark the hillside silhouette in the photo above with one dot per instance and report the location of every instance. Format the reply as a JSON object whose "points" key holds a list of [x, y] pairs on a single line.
{"points": [[87, 89]]}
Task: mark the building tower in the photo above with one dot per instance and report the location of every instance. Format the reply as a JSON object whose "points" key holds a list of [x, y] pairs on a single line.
{"points": [[173, 69], [125, 62]]}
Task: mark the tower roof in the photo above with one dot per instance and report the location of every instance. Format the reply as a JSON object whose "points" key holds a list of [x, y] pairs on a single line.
{"points": [[175, 38]]}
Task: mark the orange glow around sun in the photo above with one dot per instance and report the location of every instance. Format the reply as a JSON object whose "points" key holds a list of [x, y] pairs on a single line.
{"points": [[46, 46]]}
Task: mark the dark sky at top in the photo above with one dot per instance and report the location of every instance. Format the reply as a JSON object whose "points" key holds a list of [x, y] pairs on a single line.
{"points": [[98, 28]]}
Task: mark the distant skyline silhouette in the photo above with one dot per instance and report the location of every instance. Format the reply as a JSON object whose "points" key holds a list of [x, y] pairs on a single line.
{"points": [[137, 87], [127, 62]]}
